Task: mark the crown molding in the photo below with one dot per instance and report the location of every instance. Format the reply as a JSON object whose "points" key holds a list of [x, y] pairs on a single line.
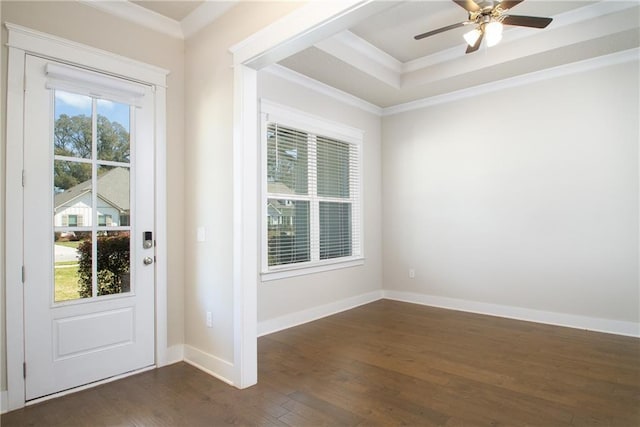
{"points": [[309, 83], [521, 80], [365, 48], [199, 18], [138, 15], [205, 14], [524, 79], [362, 55]]}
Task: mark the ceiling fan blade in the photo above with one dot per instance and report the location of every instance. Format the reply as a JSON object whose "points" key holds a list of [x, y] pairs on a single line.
{"points": [[468, 5], [471, 49], [509, 4], [526, 21], [441, 30]]}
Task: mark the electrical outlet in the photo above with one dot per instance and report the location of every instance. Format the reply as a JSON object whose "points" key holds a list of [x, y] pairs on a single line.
{"points": [[209, 319], [412, 273]]}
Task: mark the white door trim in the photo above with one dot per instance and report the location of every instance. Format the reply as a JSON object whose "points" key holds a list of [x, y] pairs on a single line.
{"points": [[23, 41], [300, 29]]}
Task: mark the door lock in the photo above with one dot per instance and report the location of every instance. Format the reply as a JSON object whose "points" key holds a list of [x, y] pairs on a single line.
{"points": [[147, 260], [147, 240]]}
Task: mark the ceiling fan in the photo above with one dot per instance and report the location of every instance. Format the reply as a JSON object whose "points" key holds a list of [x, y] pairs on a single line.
{"points": [[488, 17]]}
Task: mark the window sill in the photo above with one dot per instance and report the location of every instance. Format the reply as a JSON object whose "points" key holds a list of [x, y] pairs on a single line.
{"points": [[304, 269]]}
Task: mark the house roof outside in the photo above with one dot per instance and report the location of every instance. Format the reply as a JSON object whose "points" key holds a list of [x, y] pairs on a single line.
{"points": [[113, 188]]}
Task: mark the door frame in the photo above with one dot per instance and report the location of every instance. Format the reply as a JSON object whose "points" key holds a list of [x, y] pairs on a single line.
{"points": [[23, 41]]}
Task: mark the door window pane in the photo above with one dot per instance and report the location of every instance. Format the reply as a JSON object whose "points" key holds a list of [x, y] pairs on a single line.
{"points": [[113, 131], [113, 195], [288, 225], [72, 129], [68, 277], [113, 262], [72, 194], [67, 174]]}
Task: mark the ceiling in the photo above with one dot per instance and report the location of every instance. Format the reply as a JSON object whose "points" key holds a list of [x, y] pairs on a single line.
{"points": [[378, 60]]}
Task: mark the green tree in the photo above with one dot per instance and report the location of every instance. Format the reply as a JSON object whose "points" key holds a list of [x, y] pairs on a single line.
{"points": [[72, 138]]}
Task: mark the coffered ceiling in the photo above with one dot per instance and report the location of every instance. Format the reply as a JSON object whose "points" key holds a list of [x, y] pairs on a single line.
{"points": [[378, 61]]}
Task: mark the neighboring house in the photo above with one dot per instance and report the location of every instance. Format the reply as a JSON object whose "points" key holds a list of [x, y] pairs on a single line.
{"points": [[281, 211], [73, 207]]}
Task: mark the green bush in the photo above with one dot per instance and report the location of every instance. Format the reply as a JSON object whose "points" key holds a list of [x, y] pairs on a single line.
{"points": [[113, 265]]}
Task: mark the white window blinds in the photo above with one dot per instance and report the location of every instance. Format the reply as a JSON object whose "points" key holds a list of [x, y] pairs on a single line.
{"points": [[312, 192]]}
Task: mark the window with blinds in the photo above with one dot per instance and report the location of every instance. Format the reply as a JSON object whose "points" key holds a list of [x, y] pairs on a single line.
{"points": [[312, 194]]}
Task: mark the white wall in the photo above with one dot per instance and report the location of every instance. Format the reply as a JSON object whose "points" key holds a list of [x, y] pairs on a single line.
{"points": [[81, 23], [526, 197], [286, 297]]}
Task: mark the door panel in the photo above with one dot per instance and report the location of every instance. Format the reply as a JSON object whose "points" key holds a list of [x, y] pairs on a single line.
{"points": [[88, 198]]}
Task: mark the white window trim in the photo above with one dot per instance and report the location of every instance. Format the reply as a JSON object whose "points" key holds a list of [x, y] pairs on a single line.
{"points": [[23, 41], [287, 116]]}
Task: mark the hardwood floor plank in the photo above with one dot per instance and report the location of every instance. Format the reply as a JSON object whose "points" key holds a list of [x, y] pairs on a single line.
{"points": [[385, 363]]}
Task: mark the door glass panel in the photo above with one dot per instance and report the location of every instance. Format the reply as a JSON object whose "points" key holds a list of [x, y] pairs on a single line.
{"points": [[113, 196], [72, 268], [113, 131], [72, 131], [71, 177], [91, 198], [113, 262]]}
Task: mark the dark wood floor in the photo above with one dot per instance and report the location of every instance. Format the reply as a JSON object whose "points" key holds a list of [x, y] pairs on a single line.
{"points": [[386, 363]]}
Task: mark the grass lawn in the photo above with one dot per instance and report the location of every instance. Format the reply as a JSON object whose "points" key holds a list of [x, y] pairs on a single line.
{"points": [[73, 245], [66, 278]]}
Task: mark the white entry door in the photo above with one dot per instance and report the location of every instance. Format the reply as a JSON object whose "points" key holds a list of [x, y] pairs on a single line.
{"points": [[88, 227]]}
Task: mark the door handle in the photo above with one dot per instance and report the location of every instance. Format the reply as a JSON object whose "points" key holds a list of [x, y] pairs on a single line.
{"points": [[147, 260]]}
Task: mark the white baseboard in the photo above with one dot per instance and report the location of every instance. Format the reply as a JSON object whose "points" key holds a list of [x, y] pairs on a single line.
{"points": [[212, 365], [4, 402], [298, 318], [610, 326]]}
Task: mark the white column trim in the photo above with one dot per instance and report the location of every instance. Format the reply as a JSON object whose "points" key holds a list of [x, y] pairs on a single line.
{"points": [[296, 31], [245, 225], [161, 250]]}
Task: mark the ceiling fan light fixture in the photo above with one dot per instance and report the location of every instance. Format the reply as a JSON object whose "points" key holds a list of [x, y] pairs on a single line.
{"points": [[493, 33], [472, 36]]}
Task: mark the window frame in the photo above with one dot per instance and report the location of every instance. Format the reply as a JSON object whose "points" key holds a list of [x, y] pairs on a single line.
{"points": [[271, 112]]}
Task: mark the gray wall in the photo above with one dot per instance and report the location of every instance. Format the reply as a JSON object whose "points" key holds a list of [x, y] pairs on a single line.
{"points": [[525, 197]]}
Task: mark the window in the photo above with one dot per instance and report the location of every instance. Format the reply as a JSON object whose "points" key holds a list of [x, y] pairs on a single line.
{"points": [[311, 191], [124, 219], [105, 220], [72, 221]]}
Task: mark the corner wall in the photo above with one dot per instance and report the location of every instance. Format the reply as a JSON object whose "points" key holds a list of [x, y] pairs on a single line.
{"points": [[524, 198], [209, 183]]}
